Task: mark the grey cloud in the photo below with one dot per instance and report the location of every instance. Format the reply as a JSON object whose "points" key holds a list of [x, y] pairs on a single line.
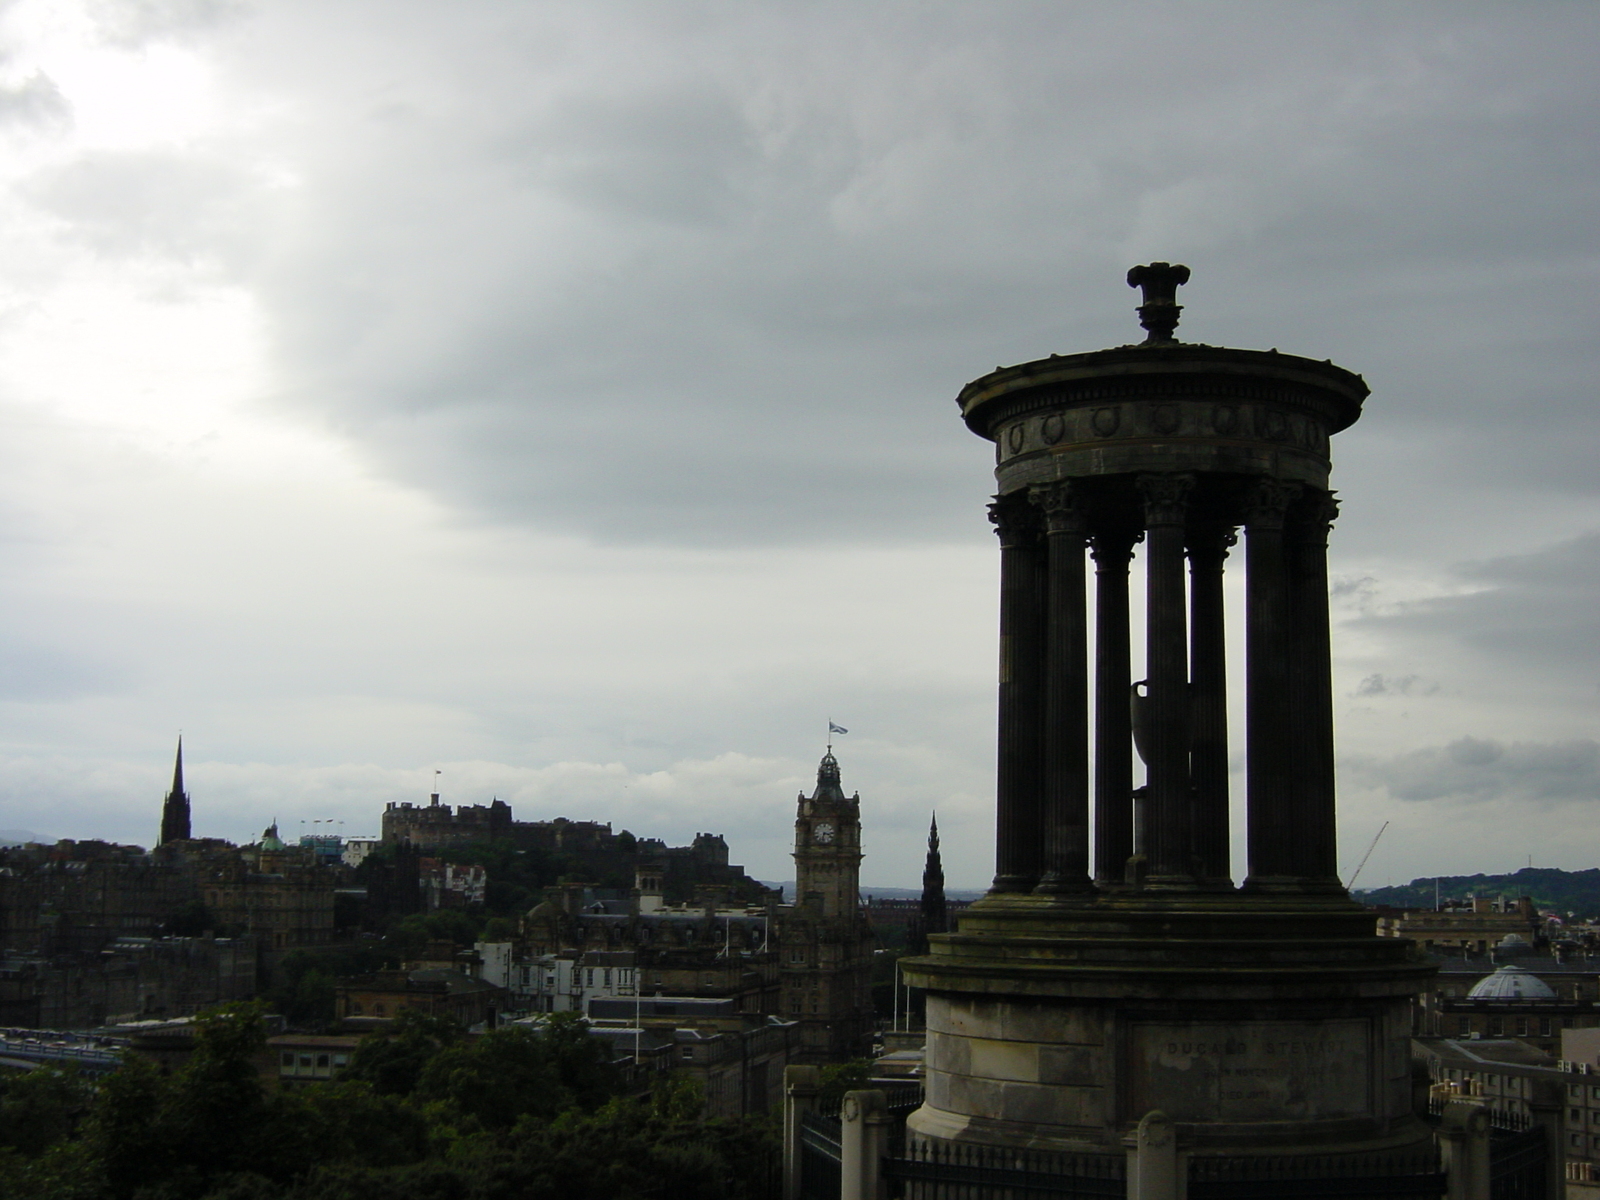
{"points": [[133, 23], [32, 673], [1531, 611], [176, 205], [698, 281], [36, 101], [1486, 770], [1389, 685], [671, 155]]}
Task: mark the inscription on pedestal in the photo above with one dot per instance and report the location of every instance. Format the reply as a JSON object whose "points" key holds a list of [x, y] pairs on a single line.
{"points": [[1263, 1071]]}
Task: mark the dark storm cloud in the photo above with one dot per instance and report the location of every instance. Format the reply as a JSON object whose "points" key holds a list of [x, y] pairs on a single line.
{"points": [[713, 277], [1486, 770]]}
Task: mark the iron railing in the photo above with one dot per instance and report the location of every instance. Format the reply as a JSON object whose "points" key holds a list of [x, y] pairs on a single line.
{"points": [[1517, 1165], [958, 1171], [1401, 1176]]}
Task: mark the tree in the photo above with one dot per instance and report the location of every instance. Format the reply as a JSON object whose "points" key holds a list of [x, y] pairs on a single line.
{"points": [[392, 1059], [497, 1078], [39, 1109], [840, 1078]]}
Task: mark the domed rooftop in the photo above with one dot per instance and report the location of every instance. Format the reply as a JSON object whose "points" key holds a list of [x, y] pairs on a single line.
{"points": [[1514, 943], [1511, 982]]}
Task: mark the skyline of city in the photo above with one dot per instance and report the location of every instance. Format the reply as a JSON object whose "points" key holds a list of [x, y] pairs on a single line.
{"points": [[563, 400]]}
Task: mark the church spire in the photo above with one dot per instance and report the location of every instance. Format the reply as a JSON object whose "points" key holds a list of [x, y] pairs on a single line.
{"points": [[934, 918], [175, 812]]}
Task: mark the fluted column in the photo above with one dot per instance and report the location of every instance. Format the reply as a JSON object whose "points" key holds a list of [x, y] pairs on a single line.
{"points": [[1208, 686], [1112, 548], [1066, 735], [1315, 837], [1267, 721], [1168, 831], [1019, 779]]}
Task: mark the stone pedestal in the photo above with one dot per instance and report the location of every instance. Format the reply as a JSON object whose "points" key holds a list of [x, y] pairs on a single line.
{"points": [[1257, 1025]]}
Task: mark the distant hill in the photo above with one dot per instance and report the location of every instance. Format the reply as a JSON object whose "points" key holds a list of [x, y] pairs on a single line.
{"points": [[21, 837], [1552, 890]]}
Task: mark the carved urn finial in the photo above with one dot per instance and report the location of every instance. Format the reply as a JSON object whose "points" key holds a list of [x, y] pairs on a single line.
{"points": [[1159, 312]]}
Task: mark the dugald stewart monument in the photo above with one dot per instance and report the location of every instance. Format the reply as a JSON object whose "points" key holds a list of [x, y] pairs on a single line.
{"points": [[1251, 1005]]}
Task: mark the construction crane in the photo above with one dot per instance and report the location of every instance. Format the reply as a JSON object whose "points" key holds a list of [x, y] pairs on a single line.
{"points": [[1365, 856]]}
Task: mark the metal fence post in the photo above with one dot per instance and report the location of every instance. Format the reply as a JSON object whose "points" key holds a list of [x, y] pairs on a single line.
{"points": [[800, 1088], [1464, 1138], [863, 1141], [1156, 1170]]}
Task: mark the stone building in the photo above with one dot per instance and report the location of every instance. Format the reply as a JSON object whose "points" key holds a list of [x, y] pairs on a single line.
{"points": [[278, 893], [707, 951], [1471, 928], [1534, 997], [737, 1059], [1580, 1063], [824, 939], [432, 990], [435, 826], [130, 978], [79, 896]]}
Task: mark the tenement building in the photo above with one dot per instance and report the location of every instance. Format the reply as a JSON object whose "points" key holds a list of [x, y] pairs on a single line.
{"points": [[1118, 968]]}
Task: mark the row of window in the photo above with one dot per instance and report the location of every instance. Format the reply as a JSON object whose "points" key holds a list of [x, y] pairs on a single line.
{"points": [[291, 1063], [1523, 1026]]}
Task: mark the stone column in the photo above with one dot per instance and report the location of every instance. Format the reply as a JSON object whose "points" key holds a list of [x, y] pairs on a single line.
{"points": [[1019, 779], [1157, 1169], [1464, 1139], [801, 1085], [1169, 835], [863, 1141], [1268, 767], [1311, 692], [1113, 731], [1208, 685], [1066, 736]]}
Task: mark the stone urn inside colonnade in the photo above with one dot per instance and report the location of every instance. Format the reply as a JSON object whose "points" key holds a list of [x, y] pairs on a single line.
{"points": [[1103, 978]]}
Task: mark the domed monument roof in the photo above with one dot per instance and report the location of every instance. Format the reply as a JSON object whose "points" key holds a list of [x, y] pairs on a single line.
{"points": [[1511, 982]]}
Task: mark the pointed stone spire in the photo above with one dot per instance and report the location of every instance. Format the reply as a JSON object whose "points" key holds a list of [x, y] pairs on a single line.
{"points": [[934, 918], [175, 812]]}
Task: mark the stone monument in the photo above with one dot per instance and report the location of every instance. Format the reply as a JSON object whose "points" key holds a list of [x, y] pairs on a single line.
{"points": [[1085, 991]]}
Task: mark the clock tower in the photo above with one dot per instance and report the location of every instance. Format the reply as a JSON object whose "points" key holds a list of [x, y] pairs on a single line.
{"points": [[827, 844], [824, 940]]}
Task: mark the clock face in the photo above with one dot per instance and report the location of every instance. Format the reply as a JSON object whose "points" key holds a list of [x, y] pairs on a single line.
{"points": [[822, 832]]}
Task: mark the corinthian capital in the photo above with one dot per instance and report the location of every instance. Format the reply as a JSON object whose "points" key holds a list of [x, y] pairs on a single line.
{"points": [[1059, 504], [1267, 502], [1016, 521], [1208, 545], [1112, 547], [1166, 497], [1316, 515]]}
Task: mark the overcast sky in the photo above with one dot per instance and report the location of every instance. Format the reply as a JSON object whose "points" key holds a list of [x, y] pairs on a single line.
{"points": [[559, 396]]}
